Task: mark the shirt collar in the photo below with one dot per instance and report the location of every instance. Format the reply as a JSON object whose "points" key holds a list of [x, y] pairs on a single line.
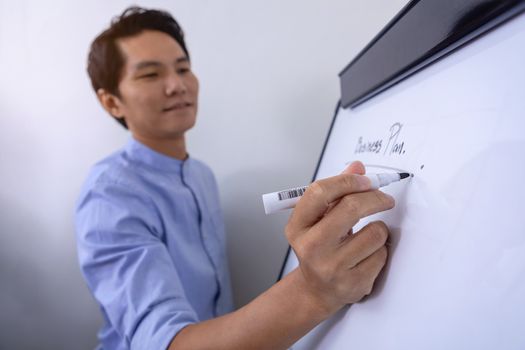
{"points": [[141, 153]]}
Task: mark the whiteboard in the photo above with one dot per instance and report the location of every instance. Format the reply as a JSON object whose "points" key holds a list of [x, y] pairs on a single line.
{"points": [[455, 278]]}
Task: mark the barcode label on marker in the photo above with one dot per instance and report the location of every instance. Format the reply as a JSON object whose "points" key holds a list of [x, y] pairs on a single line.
{"points": [[296, 192]]}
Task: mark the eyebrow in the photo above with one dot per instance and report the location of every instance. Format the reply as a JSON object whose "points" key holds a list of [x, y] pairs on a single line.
{"points": [[146, 64]]}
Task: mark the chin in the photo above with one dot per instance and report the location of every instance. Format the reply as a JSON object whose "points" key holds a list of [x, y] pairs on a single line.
{"points": [[181, 129]]}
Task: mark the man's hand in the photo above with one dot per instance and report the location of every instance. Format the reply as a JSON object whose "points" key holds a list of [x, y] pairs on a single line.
{"points": [[339, 267], [335, 268]]}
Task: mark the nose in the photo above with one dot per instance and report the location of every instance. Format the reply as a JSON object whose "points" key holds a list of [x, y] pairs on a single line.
{"points": [[175, 85]]}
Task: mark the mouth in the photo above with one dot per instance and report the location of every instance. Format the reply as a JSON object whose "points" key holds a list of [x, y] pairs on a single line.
{"points": [[177, 106]]}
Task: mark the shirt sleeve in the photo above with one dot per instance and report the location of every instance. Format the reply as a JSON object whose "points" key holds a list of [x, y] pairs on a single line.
{"points": [[128, 268]]}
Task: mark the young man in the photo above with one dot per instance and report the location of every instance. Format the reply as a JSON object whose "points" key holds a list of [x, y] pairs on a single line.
{"points": [[149, 228]]}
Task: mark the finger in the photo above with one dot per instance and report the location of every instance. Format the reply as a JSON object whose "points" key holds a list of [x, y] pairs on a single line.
{"points": [[346, 237], [364, 244], [320, 194], [355, 167], [372, 266], [349, 211]]}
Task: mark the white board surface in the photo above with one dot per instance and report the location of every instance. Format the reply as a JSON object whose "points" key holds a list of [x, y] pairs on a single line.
{"points": [[456, 273]]}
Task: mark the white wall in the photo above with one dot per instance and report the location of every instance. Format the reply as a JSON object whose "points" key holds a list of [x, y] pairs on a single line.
{"points": [[268, 72]]}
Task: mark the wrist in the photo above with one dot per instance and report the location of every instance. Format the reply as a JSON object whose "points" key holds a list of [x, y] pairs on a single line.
{"points": [[320, 304]]}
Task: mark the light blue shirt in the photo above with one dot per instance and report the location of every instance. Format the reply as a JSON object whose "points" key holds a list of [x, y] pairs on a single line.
{"points": [[151, 246]]}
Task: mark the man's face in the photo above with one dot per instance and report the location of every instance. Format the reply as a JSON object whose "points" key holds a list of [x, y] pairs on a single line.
{"points": [[158, 90]]}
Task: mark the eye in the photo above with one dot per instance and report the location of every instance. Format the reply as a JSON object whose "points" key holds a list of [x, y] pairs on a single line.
{"points": [[149, 75], [183, 70]]}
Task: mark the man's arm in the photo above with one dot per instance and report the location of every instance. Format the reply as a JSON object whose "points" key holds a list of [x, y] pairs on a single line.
{"points": [[335, 269]]}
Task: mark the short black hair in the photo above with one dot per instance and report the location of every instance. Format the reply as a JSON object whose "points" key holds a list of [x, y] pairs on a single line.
{"points": [[105, 61]]}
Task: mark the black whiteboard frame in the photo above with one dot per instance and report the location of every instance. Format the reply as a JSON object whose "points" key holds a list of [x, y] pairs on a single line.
{"points": [[405, 46], [475, 27]]}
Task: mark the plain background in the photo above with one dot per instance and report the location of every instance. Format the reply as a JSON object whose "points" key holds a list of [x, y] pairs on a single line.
{"points": [[269, 84]]}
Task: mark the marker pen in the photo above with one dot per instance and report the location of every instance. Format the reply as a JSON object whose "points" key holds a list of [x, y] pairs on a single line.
{"points": [[287, 199]]}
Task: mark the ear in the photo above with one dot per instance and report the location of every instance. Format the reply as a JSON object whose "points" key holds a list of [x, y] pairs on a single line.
{"points": [[111, 103]]}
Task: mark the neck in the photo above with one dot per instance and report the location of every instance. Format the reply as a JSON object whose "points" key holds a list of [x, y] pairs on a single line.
{"points": [[175, 148]]}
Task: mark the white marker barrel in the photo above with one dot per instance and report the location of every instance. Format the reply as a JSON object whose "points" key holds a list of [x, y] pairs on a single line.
{"points": [[287, 199]]}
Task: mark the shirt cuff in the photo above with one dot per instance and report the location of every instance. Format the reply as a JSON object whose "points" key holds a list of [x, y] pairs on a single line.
{"points": [[160, 326]]}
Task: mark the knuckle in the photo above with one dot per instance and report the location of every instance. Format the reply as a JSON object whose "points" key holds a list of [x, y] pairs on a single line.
{"points": [[289, 233], [306, 248], [316, 190], [362, 283], [377, 232], [383, 254], [367, 286], [322, 275], [386, 201], [368, 289], [358, 275], [345, 290], [358, 298], [350, 181], [300, 251], [318, 193], [350, 204], [327, 273], [379, 259], [359, 289], [292, 236]]}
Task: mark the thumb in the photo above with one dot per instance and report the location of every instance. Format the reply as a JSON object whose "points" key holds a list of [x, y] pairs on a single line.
{"points": [[355, 167]]}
